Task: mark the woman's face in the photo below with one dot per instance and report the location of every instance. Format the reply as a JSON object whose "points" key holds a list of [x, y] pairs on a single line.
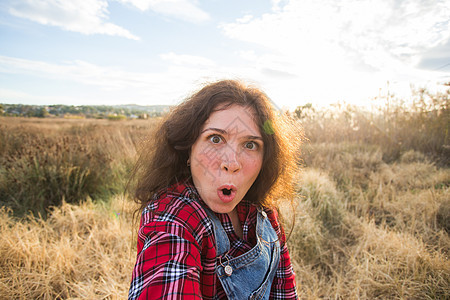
{"points": [[226, 157]]}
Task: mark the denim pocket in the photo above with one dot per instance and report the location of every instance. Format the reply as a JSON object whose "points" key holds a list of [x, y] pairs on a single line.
{"points": [[262, 292]]}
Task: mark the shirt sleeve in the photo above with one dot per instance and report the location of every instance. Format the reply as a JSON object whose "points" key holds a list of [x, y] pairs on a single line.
{"points": [[168, 266], [283, 285]]}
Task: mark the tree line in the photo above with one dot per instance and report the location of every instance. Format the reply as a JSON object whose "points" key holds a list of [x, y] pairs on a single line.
{"points": [[83, 111]]}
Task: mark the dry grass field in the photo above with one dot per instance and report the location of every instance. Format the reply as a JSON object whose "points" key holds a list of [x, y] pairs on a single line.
{"points": [[372, 219]]}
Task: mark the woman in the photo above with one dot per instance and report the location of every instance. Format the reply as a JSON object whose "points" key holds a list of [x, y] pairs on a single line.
{"points": [[208, 187]]}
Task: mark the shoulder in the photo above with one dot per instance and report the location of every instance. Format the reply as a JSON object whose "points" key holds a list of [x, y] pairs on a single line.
{"points": [[177, 211], [274, 218]]}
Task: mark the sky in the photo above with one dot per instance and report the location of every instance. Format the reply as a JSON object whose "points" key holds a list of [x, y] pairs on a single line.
{"points": [[148, 52]]}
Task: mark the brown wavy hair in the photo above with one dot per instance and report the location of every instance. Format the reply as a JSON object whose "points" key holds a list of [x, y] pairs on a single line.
{"points": [[163, 161]]}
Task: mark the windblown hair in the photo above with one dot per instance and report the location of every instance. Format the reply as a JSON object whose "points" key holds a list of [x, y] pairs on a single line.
{"points": [[163, 160]]}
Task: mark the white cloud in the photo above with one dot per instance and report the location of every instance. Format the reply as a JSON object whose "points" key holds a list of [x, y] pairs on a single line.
{"points": [[91, 16], [84, 16], [339, 48], [186, 10], [24, 97], [110, 83], [312, 30], [107, 78], [276, 5]]}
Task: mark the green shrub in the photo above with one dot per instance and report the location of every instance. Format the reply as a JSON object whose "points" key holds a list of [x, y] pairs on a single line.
{"points": [[117, 117], [40, 169]]}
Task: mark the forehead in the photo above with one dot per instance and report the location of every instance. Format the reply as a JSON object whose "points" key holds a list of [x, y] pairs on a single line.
{"points": [[234, 118]]}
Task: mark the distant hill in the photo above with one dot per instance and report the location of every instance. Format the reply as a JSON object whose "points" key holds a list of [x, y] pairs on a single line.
{"points": [[145, 108], [85, 111]]}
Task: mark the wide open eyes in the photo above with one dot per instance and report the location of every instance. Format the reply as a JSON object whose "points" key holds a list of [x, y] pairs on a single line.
{"points": [[248, 145], [215, 139], [251, 145]]}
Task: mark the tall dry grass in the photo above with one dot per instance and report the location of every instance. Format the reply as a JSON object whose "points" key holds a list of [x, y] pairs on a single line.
{"points": [[43, 162], [422, 124], [79, 252], [372, 221], [387, 238]]}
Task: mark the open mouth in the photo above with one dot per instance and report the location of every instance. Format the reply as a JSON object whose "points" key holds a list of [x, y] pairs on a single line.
{"points": [[226, 192]]}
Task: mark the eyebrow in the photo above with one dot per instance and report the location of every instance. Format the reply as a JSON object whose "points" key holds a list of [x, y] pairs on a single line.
{"points": [[222, 131]]}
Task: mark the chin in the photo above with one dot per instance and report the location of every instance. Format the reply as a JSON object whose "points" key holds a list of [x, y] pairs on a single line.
{"points": [[223, 209]]}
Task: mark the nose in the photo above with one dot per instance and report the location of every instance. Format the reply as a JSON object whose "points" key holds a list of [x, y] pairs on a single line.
{"points": [[231, 166], [230, 162]]}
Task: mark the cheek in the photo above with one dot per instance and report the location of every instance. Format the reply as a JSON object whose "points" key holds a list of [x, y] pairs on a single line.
{"points": [[253, 166], [204, 159]]}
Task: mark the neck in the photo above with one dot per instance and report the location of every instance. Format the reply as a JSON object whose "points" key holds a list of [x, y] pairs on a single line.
{"points": [[236, 223]]}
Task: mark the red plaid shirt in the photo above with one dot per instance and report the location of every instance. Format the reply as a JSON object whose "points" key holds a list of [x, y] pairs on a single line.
{"points": [[176, 249]]}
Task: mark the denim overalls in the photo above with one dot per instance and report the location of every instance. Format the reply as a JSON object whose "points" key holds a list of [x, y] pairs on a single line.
{"points": [[248, 276]]}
